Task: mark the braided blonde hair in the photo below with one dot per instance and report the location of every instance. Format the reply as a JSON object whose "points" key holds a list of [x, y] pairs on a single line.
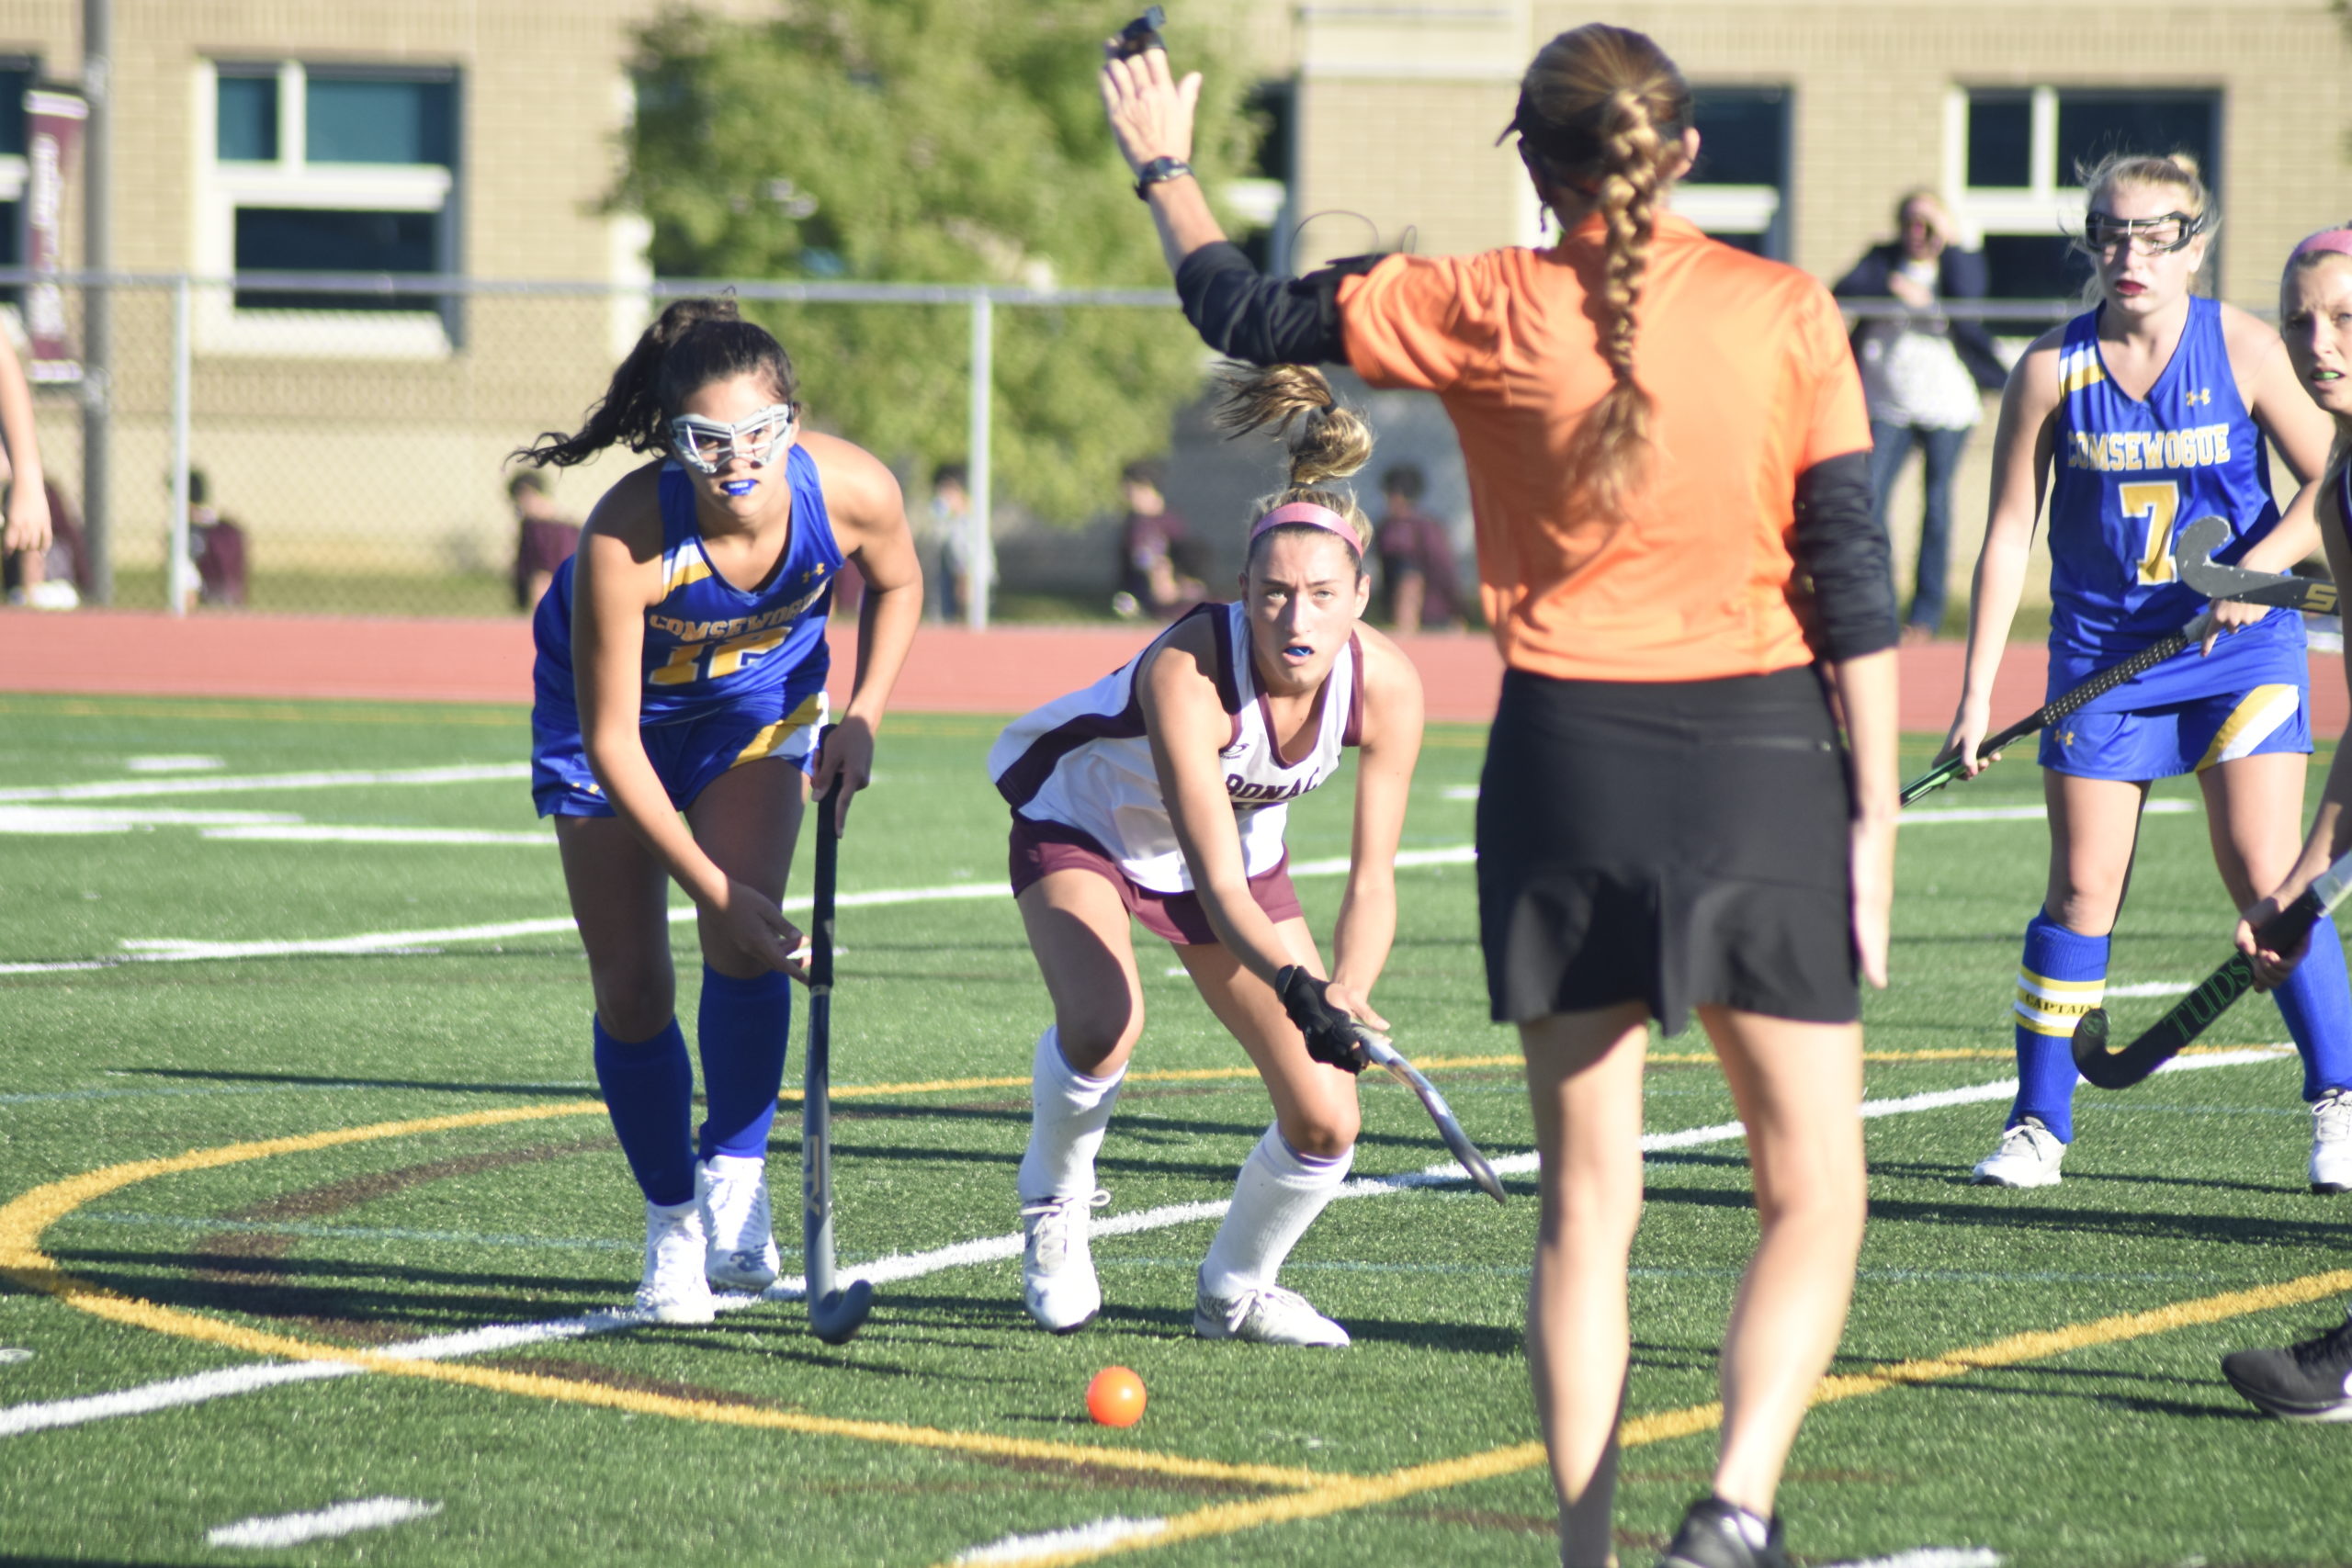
{"points": [[1327, 442], [1602, 110]]}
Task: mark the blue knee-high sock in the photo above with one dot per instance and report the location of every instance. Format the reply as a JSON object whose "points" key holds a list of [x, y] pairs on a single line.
{"points": [[743, 1030], [2062, 976], [2316, 1002], [650, 1093]]}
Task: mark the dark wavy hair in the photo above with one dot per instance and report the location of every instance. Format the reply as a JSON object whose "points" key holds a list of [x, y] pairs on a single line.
{"points": [[695, 343]]}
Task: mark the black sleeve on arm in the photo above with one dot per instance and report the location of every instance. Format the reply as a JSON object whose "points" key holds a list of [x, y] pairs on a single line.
{"points": [[1845, 555], [1243, 313]]}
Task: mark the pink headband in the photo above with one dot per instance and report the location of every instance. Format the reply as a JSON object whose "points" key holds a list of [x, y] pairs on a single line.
{"points": [[1312, 516], [2336, 239]]}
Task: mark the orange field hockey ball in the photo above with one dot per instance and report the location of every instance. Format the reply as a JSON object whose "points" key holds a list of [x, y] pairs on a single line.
{"points": [[1115, 1397]]}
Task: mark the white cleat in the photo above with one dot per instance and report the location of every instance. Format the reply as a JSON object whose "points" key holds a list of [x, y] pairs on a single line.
{"points": [[734, 1196], [2029, 1156], [2332, 1142], [673, 1289], [1265, 1315], [1057, 1281]]}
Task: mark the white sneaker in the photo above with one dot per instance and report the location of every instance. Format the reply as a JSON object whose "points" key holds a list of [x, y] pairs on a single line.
{"points": [[1058, 1280], [733, 1193], [2028, 1156], [1264, 1315], [673, 1289], [2332, 1142]]}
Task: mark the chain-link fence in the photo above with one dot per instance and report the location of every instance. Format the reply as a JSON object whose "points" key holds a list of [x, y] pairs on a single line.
{"points": [[341, 445]]}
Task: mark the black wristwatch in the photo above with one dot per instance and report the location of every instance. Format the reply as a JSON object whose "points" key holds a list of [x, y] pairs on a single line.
{"points": [[1157, 171]]}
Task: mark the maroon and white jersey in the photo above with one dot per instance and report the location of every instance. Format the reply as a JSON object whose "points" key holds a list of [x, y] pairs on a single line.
{"points": [[1083, 762]]}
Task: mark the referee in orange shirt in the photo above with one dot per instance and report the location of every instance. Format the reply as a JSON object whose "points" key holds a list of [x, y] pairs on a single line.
{"points": [[1668, 464]]}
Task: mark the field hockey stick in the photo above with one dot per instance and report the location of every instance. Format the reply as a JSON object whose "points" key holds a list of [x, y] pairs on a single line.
{"points": [[2163, 1040], [1382, 1053], [2193, 561], [833, 1313]]}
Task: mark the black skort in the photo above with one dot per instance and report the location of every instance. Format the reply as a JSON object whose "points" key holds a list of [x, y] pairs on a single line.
{"points": [[1675, 844]]}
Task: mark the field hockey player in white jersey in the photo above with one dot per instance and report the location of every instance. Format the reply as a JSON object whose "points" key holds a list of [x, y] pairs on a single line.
{"points": [[2137, 417], [1159, 793]]}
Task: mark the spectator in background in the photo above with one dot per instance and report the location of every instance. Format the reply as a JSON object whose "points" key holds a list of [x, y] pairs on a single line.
{"points": [[57, 578], [1922, 373], [1148, 577], [1417, 581], [951, 505], [216, 545], [544, 538], [967, 552]]}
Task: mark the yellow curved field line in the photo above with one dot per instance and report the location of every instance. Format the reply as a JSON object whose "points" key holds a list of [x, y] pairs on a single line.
{"points": [[1338, 1494], [24, 1220]]}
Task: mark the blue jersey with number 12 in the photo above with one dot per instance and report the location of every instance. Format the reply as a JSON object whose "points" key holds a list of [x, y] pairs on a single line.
{"points": [[2132, 473], [708, 644]]}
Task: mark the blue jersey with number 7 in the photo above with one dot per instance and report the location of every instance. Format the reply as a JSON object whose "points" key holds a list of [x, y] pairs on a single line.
{"points": [[710, 644], [2133, 472]]}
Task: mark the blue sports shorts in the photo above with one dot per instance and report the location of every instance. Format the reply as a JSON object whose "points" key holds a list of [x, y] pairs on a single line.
{"points": [[2181, 737], [686, 756]]}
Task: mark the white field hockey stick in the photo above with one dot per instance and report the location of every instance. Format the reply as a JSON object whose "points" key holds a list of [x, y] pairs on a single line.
{"points": [[1380, 1052]]}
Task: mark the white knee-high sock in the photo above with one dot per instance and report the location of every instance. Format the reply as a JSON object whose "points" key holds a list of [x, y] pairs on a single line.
{"points": [[1278, 1196], [1068, 1114]]}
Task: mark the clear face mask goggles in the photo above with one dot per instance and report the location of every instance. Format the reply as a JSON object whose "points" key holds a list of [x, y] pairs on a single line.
{"points": [[705, 445], [2150, 236]]}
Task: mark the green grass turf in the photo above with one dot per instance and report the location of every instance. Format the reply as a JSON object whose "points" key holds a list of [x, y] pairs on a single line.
{"points": [[2131, 1453]]}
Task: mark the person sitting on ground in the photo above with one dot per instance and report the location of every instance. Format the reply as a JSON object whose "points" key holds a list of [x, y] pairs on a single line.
{"points": [[1147, 583]]}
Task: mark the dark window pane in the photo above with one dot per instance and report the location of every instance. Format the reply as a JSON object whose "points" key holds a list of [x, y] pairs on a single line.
{"points": [[1743, 136], [373, 119], [2033, 266], [280, 239], [2092, 125], [2000, 139], [247, 118], [1754, 244], [1275, 105], [14, 81]]}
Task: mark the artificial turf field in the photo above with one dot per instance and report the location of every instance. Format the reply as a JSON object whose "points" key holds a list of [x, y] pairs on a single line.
{"points": [[275, 1092]]}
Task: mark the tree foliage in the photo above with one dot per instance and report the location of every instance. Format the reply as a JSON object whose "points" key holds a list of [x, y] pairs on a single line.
{"points": [[931, 141]]}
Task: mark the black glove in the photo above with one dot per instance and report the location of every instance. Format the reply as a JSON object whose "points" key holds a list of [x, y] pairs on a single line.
{"points": [[1333, 1036]]}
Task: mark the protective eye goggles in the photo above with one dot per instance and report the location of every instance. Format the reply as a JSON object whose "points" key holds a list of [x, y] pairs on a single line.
{"points": [[705, 445], [2150, 236]]}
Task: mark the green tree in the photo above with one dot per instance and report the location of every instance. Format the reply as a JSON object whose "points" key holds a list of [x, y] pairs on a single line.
{"points": [[930, 141]]}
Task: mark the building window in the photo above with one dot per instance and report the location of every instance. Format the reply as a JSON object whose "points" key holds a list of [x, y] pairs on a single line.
{"points": [[1737, 191], [2017, 157], [17, 75], [327, 168]]}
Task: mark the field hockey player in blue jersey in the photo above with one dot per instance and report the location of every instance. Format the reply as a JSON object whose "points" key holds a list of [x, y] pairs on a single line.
{"points": [[681, 673], [1160, 793], [2136, 418]]}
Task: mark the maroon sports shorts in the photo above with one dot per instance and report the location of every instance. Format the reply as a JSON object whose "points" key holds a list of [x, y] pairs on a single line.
{"points": [[1176, 917]]}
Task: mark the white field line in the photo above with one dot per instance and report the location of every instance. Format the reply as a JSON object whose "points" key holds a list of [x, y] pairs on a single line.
{"points": [[12, 1355], [1077, 1538], [221, 784], [172, 764], [45, 1416], [1934, 1557], [342, 1519], [39, 822], [2151, 988], [320, 834]]}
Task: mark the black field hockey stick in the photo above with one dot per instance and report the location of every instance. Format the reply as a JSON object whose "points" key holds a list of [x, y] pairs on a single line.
{"points": [[833, 1313], [2162, 1040], [2201, 574], [1378, 1050]]}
